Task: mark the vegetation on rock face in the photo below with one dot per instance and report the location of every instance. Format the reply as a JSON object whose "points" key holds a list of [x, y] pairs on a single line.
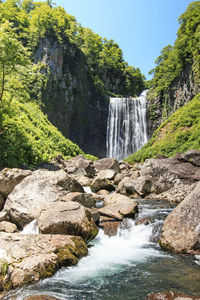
{"points": [[174, 59], [29, 138], [26, 136], [34, 21], [179, 133]]}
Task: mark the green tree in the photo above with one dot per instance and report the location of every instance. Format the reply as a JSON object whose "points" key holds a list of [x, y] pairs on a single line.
{"points": [[13, 55]]}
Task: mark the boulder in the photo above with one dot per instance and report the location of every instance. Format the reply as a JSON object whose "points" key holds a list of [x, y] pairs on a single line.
{"points": [[86, 199], [8, 227], [77, 165], [126, 186], [101, 183], [181, 229], [107, 173], [170, 296], [83, 180], [67, 218], [36, 192], [118, 178], [109, 225], [29, 258], [107, 163], [192, 156], [94, 214], [9, 178], [142, 185], [171, 178], [118, 206]]}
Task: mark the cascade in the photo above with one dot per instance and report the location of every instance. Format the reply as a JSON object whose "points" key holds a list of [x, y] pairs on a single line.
{"points": [[126, 126]]}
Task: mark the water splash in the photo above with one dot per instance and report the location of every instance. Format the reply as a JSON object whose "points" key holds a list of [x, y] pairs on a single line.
{"points": [[31, 228], [126, 126]]}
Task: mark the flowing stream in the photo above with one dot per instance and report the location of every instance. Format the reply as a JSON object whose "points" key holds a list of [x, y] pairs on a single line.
{"points": [[126, 126], [126, 266]]}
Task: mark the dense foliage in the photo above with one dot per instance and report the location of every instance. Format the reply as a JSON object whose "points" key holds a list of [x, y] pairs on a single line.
{"points": [[26, 135], [36, 20], [179, 133], [186, 50], [29, 138]]}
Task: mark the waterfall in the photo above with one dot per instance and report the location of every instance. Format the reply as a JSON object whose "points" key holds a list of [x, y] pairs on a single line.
{"points": [[126, 126]]}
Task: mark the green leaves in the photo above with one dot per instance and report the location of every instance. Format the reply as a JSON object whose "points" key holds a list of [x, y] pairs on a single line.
{"points": [[173, 60]]}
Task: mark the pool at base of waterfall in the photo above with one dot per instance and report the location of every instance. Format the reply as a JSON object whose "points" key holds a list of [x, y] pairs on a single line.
{"points": [[125, 266]]}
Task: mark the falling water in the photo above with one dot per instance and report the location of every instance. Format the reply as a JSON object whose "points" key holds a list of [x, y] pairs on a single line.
{"points": [[126, 127]]}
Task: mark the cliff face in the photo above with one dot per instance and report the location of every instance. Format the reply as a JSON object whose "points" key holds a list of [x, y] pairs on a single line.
{"points": [[71, 100], [180, 92]]}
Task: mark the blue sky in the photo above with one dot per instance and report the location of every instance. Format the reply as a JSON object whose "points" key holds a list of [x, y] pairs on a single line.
{"points": [[140, 27]]}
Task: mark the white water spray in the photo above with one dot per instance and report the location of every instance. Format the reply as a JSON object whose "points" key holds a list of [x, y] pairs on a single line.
{"points": [[126, 126]]}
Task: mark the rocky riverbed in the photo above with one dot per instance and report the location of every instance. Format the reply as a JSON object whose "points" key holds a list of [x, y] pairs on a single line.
{"points": [[55, 197]]}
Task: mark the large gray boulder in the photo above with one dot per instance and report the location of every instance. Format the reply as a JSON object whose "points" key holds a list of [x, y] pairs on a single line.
{"points": [[192, 156], [29, 258], [78, 165], [67, 218], [86, 199], [118, 206], [107, 163], [9, 178], [103, 181], [36, 192], [181, 229], [171, 179]]}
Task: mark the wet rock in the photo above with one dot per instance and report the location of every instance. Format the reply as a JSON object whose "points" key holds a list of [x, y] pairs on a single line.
{"points": [[40, 297], [109, 225], [67, 218], [9, 178], [87, 200], [8, 227], [144, 221], [181, 229], [156, 233], [170, 296], [107, 163], [36, 192], [32, 257]]}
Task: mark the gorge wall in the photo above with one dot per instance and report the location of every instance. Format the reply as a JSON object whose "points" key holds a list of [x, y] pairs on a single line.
{"points": [[71, 101], [181, 91]]}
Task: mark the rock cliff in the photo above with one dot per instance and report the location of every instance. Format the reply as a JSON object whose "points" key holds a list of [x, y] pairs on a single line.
{"points": [[72, 103], [181, 91]]}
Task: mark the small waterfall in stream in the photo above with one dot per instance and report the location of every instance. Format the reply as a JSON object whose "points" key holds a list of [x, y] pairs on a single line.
{"points": [[126, 126]]}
